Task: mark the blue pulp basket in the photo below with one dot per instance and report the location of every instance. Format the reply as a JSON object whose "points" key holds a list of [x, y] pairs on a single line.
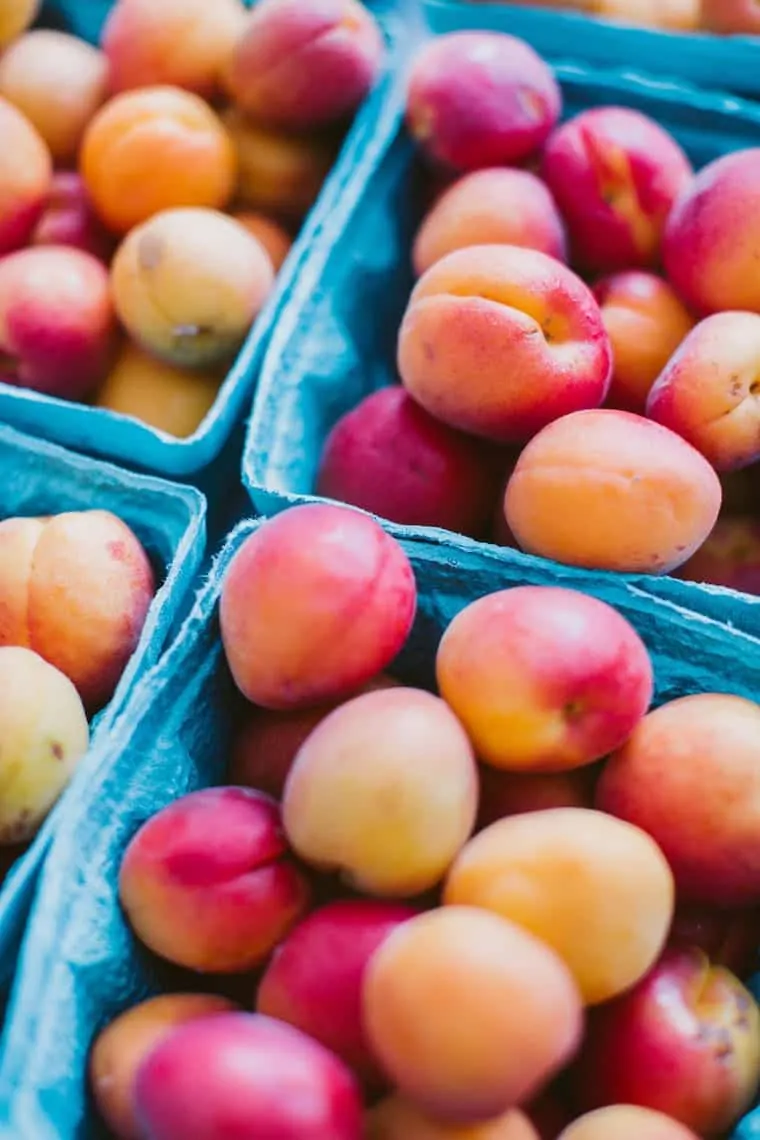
{"points": [[38, 478], [720, 63], [335, 341], [97, 431], [80, 966]]}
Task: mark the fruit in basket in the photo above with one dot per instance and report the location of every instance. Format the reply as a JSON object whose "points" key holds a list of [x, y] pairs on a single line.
{"points": [[544, 678], [273, 236], [468, 1013], [304, 63], [181, 43], [15, 17], [152, 150], [209, 882], [314, 978], [598, 891], [316, 602], [708, 391], [615, 174], [609, 490], [58, 82], [25, 174], [392, 824], [57, 327], [69, 219], [44, 734], [731, 17], [121, 1048], [685, 1041], [730, 938], [712, 241], [626, 1122], [689, 776], [501, 206], [390, 457], [514, 793], [479, 99], [479, 307], [729, 557], [398, 1119], [246, 1075], [646, 322], [187, 285]]}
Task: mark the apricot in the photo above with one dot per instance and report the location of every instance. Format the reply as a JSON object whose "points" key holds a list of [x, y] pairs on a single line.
{"points": [[152, 150], [646, 322], [120, 1049], [689, 778], [316, 602], [476, 308], [544, 678], [600, 894], [44, 736], [304, 63], [398, 1119], [26, 169], [610, 490], [615, 174], [69, 219], [729, 556], [468, 1013], [513, 793], [730, 17], [275, 238], [181, 43], [392, 824], [15, 17], [626, 1122], [501, 206], [58, 82], [188, 283], [479, 99], [208, 883]]}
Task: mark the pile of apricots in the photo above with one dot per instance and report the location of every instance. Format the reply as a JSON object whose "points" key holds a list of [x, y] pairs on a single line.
{"points": [[580, 356], [724, 17], [149, 188], [517, 910]]}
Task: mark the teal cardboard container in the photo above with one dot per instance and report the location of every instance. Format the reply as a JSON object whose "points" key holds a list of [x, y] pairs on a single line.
{"points": [[38, 478], [80, 965], [335, 341]]}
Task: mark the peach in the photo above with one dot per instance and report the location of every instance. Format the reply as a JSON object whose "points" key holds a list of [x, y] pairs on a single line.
{"points": [[599, 893], [208, 882], [188, 283], [610, 490], [240, 1074], [15, 17], [615, 174], [685, 1041], [514, 793], [170, 399], [730, 938], [275, 238], [152, 150], [729, 557], [476, 308], [120, 1049], [468, 1013], [626, 1122], [393, 824], [689, 777], [58, 82], [181, 43], [316, 602], [45, 735], [501, 206], [730, 17], [544, 678], [278, 173], [712, 243], [304, 63], [26, 169], [398, 1119], [479, 99], [388, 456], [314, 979], [69, 219], [646, 322]]}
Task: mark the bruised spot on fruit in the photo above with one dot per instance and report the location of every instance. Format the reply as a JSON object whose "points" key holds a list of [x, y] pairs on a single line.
{"points": [[150, 250], [57, 750]]}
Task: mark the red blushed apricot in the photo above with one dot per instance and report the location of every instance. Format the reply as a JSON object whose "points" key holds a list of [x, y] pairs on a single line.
{"points": [[543, 678], [730, 17], [646, 322], [390, 457], [626, 1122], [615, 175], [69, 219], [208, 882], [120, 1049], [689, 777], [609, 490], [398, 1119], [26, 170], [468, 1014], [479, 99], [304, 63], [514, 793], [275, 238], [502, 206], [316, 603], [729, 556], [477, 308]]}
